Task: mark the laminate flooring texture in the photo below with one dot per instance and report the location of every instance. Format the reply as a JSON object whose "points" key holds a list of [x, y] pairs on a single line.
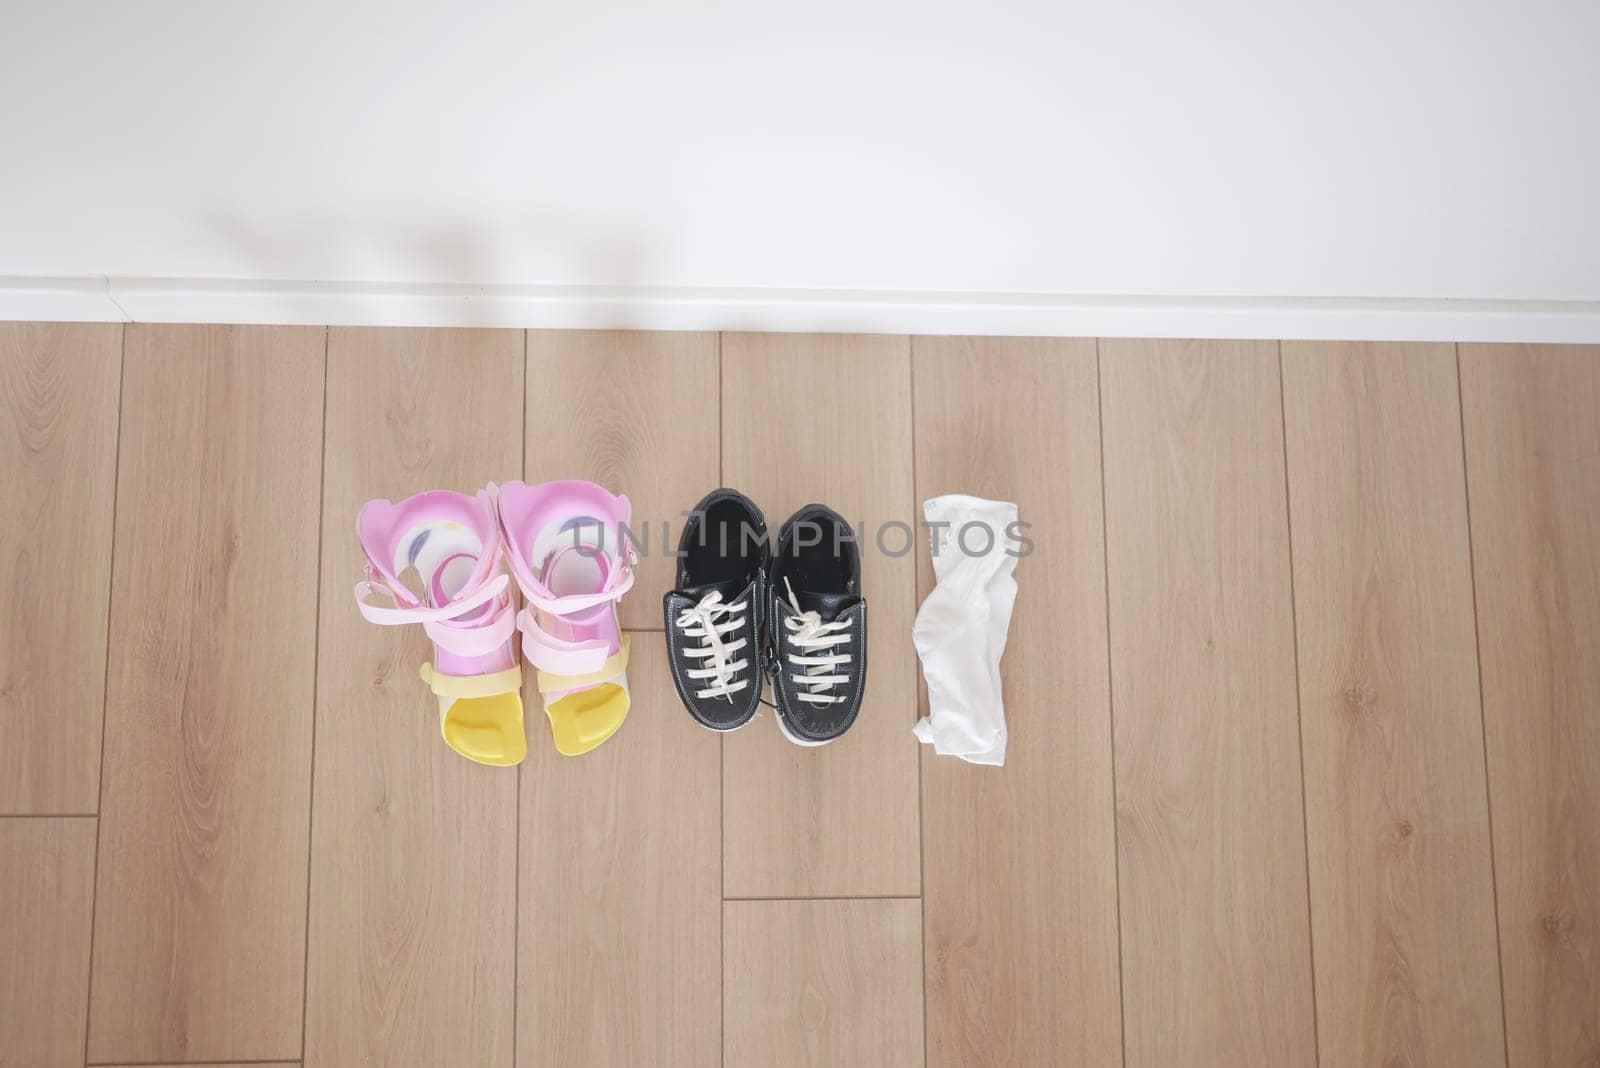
{"points": [[1303, 687]]}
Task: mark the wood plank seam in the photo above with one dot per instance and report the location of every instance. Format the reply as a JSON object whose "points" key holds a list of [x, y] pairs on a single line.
{"points": [[180, 1064], [316, 663], [105, 686], [1299, 710], [1111, 701], [832, 897], [516, 883], [722, 818], [922, 853], [50, 816], [1477, 652]]}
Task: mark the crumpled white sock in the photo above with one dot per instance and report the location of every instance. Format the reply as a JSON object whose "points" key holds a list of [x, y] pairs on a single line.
{"points": [[960, 632]]}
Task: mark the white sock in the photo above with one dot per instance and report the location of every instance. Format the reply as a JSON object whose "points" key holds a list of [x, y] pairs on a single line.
{"points": [[960, 632]]}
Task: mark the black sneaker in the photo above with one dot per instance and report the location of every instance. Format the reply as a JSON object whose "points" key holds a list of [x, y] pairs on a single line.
{"points": [[713, 619], [817, 654]]}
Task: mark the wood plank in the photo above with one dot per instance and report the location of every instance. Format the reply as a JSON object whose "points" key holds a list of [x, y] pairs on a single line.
{"points": [[1020, 899], [621, 925], [827, 418], [823, 982], [622, 893], [1402, 886], [46, 905], [413, 884], [636, 412], [58, 451], [200, 916], [212, 1064], [1211, 845], [1532, 427]]}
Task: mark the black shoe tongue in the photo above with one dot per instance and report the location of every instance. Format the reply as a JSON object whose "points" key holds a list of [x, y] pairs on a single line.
{"points": [[731, 590], [826, 605]]}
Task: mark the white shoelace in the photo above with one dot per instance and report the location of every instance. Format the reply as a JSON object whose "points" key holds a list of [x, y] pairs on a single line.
{"points": [[809, 633], [708, 621]]}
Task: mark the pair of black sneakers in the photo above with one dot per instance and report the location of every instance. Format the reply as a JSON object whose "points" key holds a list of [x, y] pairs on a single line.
{"points": [[745, 610]]}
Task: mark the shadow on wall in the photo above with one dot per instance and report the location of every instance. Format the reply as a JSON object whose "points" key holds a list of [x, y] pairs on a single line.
{"points": [[400, 250]]}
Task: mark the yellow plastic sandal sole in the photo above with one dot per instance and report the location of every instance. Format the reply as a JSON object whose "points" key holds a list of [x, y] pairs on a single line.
{"points": [[488, 730], [581, 721], [480, 716]]}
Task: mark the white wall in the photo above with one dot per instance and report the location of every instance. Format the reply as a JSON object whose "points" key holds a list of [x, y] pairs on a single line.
{"points": [[1149, 148]]}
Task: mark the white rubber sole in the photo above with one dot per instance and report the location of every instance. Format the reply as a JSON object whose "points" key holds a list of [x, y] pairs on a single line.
{"points": [[804, 742], [728, 730]]}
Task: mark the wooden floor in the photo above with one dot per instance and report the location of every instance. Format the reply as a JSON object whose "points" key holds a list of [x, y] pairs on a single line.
{"points": [[1303, 688]]}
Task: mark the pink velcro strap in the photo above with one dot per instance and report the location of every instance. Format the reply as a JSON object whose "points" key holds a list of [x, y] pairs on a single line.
{"points": [[474, 641], [577, 602], [548, 653], [396, 616]]}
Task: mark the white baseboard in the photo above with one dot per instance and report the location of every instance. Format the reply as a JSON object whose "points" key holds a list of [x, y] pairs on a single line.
{"points": [[57, 300], [821, 310]]}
